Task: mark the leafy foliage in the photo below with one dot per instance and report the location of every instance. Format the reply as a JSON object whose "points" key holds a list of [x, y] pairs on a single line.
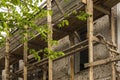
{"points": [[63, 23], [18, 13], [52, 54], [82, 15], [35, 53]]}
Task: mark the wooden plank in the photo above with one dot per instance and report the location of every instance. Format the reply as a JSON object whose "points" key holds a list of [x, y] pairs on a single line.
{"points": [[72, 42], [25, 52], [89, 10], [49, 23]]}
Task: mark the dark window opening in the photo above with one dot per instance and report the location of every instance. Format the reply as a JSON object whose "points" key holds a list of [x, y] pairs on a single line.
{"points": [[83, 59], [83, 34], [15, 66], [38, 75], [83, 54]]}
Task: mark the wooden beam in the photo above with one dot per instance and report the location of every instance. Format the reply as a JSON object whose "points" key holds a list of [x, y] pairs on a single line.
{"points": [[113, 32], [50, 32], [25, 45], [114, 51], [72, 42], [95, 38], [72, 50], [89, 10], [101, 62], [77, 36], [59, 7], [103, 10], [7, 58], [79, 45]]}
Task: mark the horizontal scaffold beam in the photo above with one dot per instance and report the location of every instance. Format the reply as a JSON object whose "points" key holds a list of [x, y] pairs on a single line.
{"points": [[69, 51], [104, 61]]}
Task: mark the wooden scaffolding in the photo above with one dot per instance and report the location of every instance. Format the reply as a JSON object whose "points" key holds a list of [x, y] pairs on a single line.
{"points": [[87, 5]]}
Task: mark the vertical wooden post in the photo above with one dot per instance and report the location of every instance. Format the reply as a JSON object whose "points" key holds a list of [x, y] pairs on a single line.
{"points": [[20, 67], [89, 10], [72, 42], [44, 72], [25, 52], [7, 58], [44, 75], [112, 23], [49, 23]]}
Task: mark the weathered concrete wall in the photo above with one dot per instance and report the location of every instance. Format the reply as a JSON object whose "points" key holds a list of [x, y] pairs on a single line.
{"points": [[61, 70]]}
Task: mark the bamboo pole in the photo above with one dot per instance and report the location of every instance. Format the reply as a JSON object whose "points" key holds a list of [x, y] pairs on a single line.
{"points": [[103, 61], [71, 38], [45, 74], [7, 58], [112, 23], [49, 23], [89, 10], [25, 52]]}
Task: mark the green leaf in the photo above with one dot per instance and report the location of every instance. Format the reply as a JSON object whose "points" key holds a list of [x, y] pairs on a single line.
{"points": [[82, 16], [35, 53], [63, 23], [15, 2]]}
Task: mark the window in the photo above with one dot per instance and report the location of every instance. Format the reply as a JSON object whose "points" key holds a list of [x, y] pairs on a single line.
{"points": [[81, 57]]}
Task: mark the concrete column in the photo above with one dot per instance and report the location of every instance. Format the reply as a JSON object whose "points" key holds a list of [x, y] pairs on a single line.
{"points": [[21, 63], [3, 74]]}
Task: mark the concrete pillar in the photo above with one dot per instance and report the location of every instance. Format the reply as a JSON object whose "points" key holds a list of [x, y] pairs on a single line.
{"points": [[21, 63], [3, 74]]}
